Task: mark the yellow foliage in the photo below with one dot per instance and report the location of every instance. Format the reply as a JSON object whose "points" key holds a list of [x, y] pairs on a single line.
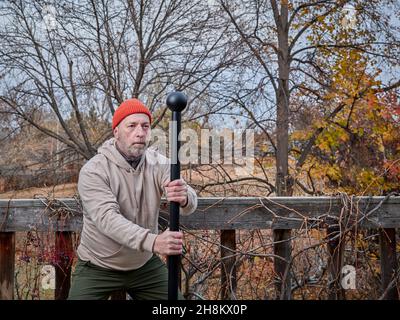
{"points": [[333, 172]]}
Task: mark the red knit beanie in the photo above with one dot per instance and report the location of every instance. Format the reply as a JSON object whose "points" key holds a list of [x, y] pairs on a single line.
{"points": [[127, 108]]}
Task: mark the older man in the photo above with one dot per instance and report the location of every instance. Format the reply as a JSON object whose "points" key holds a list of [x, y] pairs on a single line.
{"points": [[121, 189]]}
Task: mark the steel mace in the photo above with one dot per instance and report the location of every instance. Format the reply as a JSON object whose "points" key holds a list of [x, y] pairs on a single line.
{"points": [[176, 102]]}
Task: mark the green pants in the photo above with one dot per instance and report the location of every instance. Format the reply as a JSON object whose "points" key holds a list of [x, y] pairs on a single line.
{"points": [[149, 282]]}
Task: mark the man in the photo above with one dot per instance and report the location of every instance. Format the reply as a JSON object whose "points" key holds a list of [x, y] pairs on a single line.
{"points": [[120, 189]]}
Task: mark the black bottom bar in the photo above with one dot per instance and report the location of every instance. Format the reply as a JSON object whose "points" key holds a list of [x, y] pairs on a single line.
{"points": [[173, 276]]}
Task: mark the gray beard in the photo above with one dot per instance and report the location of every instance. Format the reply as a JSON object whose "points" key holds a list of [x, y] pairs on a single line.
{"points": [[132, 159]]}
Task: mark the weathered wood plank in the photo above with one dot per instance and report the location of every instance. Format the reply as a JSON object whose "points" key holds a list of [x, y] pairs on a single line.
{"points": [[216, 213], [228, 265], [387, 241], [282, 249], [7, 261], [65, 256], [335, 248], [40, 215]]}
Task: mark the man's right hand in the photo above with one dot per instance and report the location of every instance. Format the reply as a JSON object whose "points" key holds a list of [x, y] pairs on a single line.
{"points": [[169, 243]]}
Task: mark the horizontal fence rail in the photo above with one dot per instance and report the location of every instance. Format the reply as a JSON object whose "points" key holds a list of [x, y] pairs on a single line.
{"points": [[64, 216], [218, 213]]}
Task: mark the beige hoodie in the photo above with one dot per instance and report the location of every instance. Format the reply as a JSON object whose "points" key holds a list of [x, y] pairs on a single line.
{"points": [[121, 207]]}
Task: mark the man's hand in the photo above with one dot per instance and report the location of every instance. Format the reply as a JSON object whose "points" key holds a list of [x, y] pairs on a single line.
{"points": [[168, 243], [177, 191]]}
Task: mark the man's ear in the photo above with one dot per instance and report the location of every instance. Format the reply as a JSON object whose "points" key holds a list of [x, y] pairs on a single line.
{"points": [[115, 132]]}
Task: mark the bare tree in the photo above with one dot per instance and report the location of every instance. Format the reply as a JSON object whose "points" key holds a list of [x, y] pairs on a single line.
{"points": [[70, 59]]}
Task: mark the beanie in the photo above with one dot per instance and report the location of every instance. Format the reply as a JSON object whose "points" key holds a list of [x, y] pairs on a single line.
{"points": [[127, 108]]}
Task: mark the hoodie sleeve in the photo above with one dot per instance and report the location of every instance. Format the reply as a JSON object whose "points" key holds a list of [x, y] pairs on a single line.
{"points": [[192, 196], [101, 206]]}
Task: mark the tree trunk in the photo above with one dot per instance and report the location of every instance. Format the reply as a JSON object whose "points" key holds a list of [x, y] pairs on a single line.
{"points": [[282, 246]]}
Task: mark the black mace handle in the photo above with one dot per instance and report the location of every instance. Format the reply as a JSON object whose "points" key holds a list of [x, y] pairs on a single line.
{"points": [[176, 102]]}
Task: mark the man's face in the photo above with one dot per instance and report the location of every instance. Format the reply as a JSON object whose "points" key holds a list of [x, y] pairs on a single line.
{"points": [[133, 134]]}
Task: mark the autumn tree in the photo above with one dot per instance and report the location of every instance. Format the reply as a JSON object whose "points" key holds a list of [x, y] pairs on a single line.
{"points": [[291, 48]]}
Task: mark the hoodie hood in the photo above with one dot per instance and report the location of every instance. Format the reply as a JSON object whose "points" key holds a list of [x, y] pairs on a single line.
{"points": [[109, 150]]}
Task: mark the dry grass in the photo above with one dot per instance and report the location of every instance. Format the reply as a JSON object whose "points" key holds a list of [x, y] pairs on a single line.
{"points": [[59, 191]]}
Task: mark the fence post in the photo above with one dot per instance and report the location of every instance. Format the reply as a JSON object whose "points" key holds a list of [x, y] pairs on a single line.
{"points": [[64, 257], [335, 251], [387, 241], [228, 265], [7, 265], [282, 248]]}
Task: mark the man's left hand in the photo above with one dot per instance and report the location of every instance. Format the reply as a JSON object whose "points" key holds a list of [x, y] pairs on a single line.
{"points": [[177, 190]]}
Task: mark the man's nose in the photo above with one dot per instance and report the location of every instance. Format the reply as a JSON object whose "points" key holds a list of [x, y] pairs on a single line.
{"points": [[139, 132]]}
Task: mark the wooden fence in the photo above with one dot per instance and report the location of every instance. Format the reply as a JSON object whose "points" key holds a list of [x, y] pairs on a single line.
{"points": [[335, 214]]}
